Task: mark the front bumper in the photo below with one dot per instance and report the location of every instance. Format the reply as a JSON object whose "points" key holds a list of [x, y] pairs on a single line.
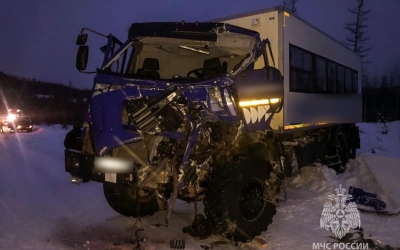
{"points": [[81, 165]]}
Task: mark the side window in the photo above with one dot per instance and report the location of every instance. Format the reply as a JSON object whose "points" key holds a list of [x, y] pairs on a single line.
{"points": [[331, 83], [348, 81], [301, 70], [120, 64], [296, 57], [307, 61], [310, 73], [354, 82], [296, 60], [320, 65], [308, 81], [340, 79]]}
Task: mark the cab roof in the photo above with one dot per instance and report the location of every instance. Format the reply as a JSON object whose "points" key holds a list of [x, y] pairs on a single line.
{"points": [[203, 31]]}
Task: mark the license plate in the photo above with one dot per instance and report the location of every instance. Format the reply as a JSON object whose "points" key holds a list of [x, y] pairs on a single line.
{"points": [[111, 177], [113, 165]]}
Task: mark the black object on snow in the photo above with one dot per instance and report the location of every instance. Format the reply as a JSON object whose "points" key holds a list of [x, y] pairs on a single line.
{"points": [[367, 199], [200, 227]]}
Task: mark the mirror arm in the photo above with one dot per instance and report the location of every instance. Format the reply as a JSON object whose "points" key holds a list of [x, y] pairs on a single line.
{"points": [[267, 42], [116, 40], [93, 31]]}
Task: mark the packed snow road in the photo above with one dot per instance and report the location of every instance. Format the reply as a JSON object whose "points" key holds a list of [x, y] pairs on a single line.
{"points": [[41, 209]]}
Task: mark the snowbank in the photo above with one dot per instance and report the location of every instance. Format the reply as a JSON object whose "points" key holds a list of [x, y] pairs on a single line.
{"points": [[41, 209]]}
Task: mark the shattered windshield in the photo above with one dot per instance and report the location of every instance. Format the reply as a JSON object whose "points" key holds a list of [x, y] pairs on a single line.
{"points": [[169, 58]]}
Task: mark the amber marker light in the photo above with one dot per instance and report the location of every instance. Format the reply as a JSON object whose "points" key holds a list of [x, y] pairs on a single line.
{"points": [[258, 102]]}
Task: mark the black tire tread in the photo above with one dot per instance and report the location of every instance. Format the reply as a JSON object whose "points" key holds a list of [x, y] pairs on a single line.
{"points": [[221, 209]]}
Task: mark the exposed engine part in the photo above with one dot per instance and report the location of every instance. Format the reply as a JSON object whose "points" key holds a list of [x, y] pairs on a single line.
{"points": [[169, 119], [143, 113], [162, 148], [197, 172], [152, 175], [194, 178]]}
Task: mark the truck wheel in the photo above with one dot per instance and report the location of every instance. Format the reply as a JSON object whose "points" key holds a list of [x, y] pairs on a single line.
{"points": [[352, 143], [338, 153], [234, 199], [128, 201]]}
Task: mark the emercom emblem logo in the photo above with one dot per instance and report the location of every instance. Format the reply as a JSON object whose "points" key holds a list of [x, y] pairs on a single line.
{"points": [[340, 217]]}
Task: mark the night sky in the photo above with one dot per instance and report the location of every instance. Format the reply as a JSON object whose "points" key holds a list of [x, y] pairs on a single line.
{"points": [[37, 37]]}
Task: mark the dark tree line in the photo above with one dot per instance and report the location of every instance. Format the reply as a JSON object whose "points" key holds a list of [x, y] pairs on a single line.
{"points": [[381, 96], [46, 103]]}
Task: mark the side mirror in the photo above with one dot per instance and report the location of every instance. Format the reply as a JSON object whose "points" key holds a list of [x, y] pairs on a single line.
{"points": [[82, 39], [82, 57]]}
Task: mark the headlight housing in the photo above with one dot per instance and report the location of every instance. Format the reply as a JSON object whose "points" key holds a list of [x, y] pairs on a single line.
{"points": [[221, 100]]}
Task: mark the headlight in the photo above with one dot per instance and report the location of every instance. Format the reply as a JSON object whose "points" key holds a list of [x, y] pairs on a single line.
{"points": [[215, 99], [219, 100], [19, 127], [11, 117]]}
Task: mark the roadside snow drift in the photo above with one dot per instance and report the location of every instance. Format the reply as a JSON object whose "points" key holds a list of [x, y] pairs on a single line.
{"points": [[41, 209]]}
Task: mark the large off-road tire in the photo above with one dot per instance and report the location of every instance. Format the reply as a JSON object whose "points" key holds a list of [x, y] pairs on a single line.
{"points": [[352, 142], [130, 201], [234, 199], [338, 152]]}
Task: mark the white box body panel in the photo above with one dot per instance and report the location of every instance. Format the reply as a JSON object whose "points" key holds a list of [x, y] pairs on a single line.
{"points": [[283, 30], [318, 107]]}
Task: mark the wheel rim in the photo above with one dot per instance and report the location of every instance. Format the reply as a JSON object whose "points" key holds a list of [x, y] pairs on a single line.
{"points": [[251, 201]]}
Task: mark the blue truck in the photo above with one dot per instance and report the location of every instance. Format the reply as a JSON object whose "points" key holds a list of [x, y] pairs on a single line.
{"points": [[186, 111]]}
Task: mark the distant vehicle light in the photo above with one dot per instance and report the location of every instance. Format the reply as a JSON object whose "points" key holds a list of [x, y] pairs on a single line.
{"points": [[11, 117]]}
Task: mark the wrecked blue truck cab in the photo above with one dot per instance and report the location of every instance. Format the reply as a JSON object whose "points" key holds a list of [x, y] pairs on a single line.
{"points": [[200, 61], [201, 112], [183, 111], [170, 115]]}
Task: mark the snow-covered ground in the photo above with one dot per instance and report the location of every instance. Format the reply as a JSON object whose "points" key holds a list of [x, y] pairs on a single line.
{"points": [[41, 209]]}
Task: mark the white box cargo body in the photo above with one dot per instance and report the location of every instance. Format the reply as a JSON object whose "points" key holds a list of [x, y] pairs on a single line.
{"points": [[322, 77]]}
